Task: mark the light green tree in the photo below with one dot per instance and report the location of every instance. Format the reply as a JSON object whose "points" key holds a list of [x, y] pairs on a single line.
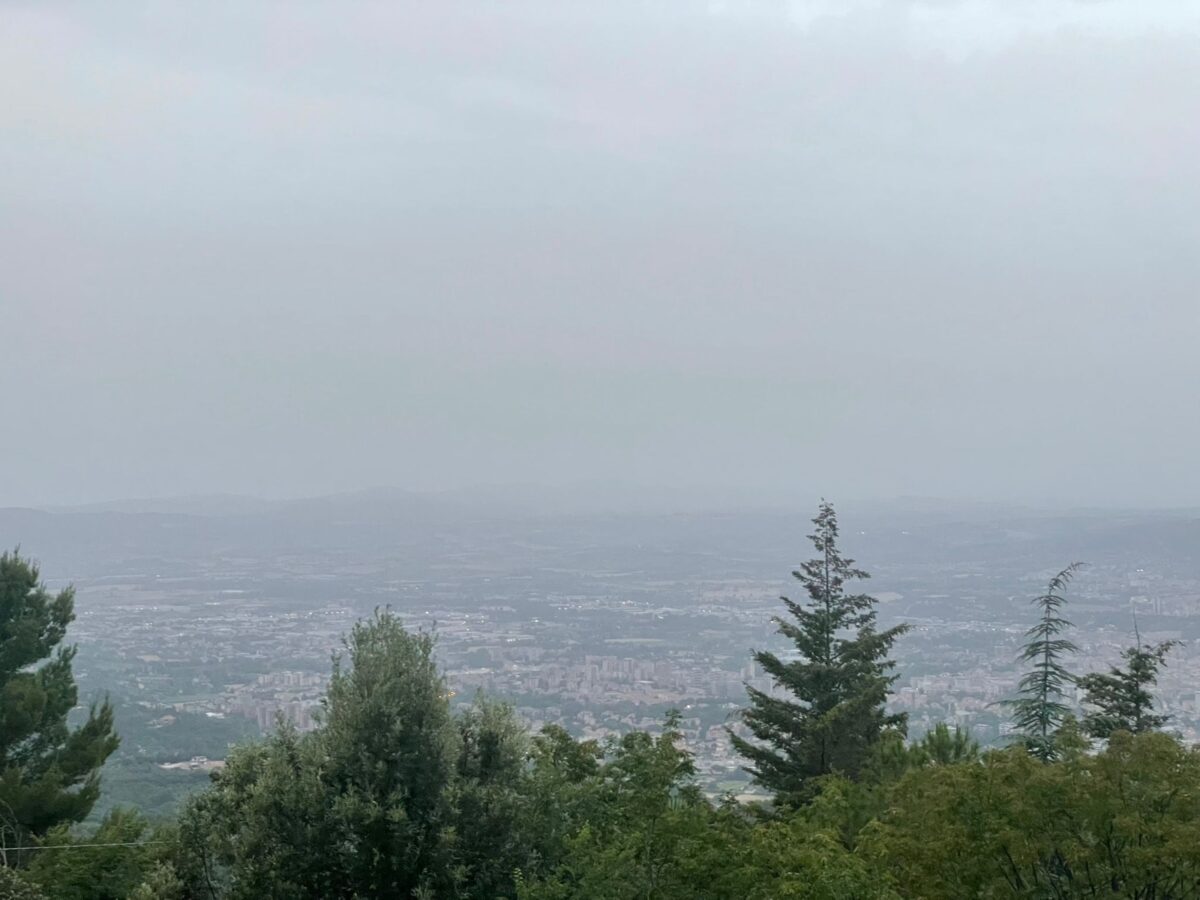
{"points": [[14, 887], [1121, 699], [1124, 823]]}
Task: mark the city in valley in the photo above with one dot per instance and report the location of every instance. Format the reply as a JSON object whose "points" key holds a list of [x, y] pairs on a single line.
{"points": [[208, 623]]}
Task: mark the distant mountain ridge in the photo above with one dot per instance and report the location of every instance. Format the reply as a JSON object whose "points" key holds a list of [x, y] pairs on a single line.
{"points": [[424, 525], [584, 498]]}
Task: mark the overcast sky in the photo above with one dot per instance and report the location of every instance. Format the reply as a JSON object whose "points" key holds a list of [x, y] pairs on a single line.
{"points": [[852, 248]]}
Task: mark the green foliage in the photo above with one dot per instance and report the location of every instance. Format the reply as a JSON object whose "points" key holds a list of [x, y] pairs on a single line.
{"points": [[943, 747], [650, 834], [362, 807], [845, 807], [1120, 698], [388, 749], [1124, 823], [496, 832], [839, 683], [892, 757], [264, 829], [642, 803], [161, 883], [793, 860], [14, 887], [392, 795], [1039, 710], [562, 795], [49, 773], [89, 867]]}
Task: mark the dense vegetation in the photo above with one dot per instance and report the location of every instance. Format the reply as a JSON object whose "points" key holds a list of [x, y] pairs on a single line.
{"points": [[49, 772], [398, 795]]}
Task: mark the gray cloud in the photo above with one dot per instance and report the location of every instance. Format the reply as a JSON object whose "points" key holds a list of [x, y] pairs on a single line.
{"points": [[858, 248]]}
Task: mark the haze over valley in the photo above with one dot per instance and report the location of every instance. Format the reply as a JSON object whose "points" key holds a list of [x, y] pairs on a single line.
{"points": [[206, 617]]}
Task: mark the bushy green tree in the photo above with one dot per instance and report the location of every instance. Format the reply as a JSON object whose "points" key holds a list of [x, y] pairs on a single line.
{"points": [[642, 806], [360, 808], [161, 883], [14, 887], [938, 746], [388, 748], [1121, 698], [106, 863], [497, 830], [1124, 823], [650, 835], [49, 772], [792, 860], [267, 827], [562, 794], [845, 807], [838, 683], [942, 747], [392, 795], [1039, 710]]}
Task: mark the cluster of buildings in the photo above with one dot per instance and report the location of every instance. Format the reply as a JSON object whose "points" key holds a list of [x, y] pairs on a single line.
{"points": [[596, 655]]}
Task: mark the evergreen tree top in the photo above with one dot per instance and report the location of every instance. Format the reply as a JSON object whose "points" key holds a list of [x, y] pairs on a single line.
{"points": [[49, 772], [1038, 709], [838, 681]]}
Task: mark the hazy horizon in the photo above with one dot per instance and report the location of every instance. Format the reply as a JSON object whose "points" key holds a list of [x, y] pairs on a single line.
{"points": [[859, 249], [603, 497]]}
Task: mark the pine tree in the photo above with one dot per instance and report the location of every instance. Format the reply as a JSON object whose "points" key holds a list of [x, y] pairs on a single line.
{"points": [[1038, 709], [838, 684], [943, 747], [49, 773], [1121, 698]]}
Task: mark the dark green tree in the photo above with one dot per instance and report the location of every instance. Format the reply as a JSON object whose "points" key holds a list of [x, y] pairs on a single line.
{"points": [[943, 747], [838, 684], [649, 834], [642, 812], [360, 808], [1121, 698], [496, 826], [561, 793], [845, 808], [389, 749], [49, 772], [1038, 710], [266, 828]]}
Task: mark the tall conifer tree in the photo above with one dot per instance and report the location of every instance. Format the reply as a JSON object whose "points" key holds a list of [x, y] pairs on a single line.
{"points": [[49, 772], [1121, 699], [1038, 709], [838, 684]]}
